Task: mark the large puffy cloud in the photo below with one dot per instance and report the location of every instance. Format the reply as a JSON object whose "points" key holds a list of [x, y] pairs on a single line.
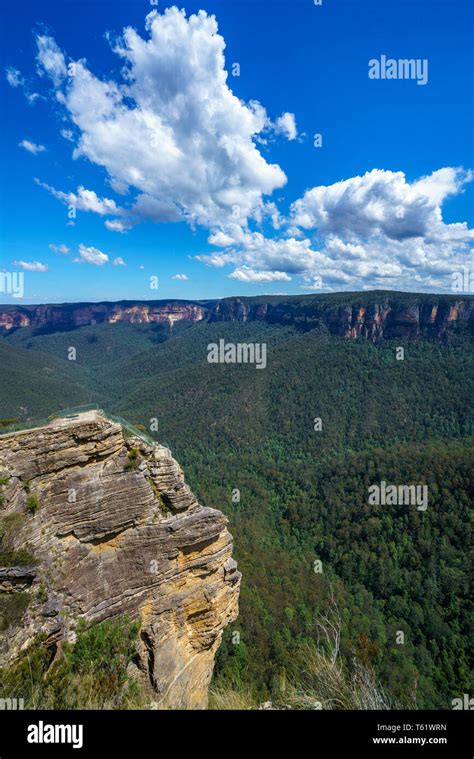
{"points": [[172, 130], [268, 254], [177, 144], [383, 203], [377, 230]]}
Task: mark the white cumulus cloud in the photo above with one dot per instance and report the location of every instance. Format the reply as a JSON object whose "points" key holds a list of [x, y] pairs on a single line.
{"points": [[172, 130], [83, 200], [286, 124], [383, 203], [90, 255], [245, 274], [378, 230]]}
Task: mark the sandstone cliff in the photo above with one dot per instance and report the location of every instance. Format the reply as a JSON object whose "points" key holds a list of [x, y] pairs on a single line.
{"points": [[372, 315], [69, 316], [115, 530]]}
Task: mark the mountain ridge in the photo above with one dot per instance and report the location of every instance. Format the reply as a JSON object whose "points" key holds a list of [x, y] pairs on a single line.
{"points": [[372, 315]]}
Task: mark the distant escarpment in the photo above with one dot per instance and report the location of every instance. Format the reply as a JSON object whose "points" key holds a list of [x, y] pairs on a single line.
{"points": [[369, 315], [372, 316], [112, 529], [71, 315]]}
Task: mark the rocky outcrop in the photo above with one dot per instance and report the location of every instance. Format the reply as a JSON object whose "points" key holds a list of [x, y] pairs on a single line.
{"points": [[70, 316], [13, 319], [372, 316], [361, 316], [115, 531]]}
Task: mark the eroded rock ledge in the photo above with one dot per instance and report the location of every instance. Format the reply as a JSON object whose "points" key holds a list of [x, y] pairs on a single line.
{"points": [[116, 530]]}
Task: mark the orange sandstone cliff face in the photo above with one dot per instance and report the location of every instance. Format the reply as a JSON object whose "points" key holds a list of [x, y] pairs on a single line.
{"points": [[14, 319], [389, 316], [164, 314], [116, 533], [70, 316]]}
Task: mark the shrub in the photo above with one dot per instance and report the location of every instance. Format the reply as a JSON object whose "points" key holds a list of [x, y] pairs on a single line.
{"points": [[10, 526], [8, 422], [133, 460], [91, 674], [32, 504], [12, 608], [42, 594], [21, 558], [226, 698]]}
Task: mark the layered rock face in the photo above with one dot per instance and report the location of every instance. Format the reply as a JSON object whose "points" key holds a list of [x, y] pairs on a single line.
{"points": [[388, 317], [69, 316], [371, 316], [115, 531], [14, 319]]}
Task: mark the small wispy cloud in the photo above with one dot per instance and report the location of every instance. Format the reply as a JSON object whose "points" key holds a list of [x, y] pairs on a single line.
{"points": [[119, 261], [31, 265], [14, 77], [62, 249], [181, 277], [16, 80], [31, 147]]}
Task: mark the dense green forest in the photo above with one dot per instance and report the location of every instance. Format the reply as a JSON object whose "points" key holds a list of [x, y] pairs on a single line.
{"points": [[304, 531]]}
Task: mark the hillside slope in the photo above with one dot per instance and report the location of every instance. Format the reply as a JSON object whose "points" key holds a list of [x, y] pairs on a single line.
{"points": [[295, 488]]}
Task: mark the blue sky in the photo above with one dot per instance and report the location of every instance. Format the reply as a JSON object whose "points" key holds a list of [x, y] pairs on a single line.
{"points": [[256, 207]]}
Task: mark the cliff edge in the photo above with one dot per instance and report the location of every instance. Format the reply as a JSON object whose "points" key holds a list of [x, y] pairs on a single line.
{"points": [[114, 530], [372, 315]]}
